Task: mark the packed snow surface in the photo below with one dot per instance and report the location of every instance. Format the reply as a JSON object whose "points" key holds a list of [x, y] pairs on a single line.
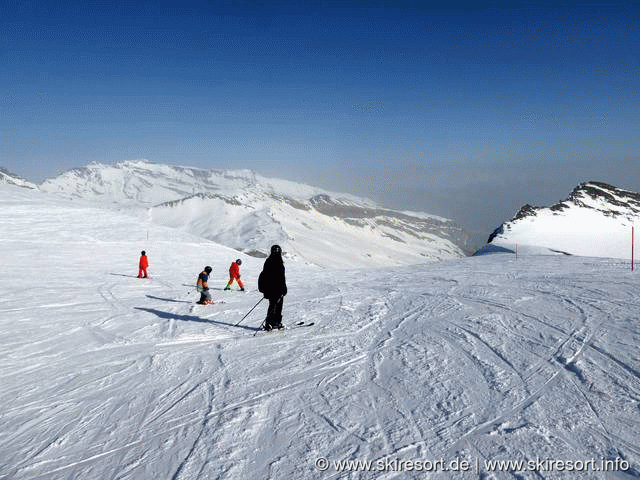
{"points": [[107, 376]]}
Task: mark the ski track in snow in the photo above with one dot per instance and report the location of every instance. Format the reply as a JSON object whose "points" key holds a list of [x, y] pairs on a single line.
{"points": [[106, 376]]}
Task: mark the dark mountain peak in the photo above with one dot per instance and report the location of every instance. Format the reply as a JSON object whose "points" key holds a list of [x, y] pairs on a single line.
{"points": [[525, 211]]}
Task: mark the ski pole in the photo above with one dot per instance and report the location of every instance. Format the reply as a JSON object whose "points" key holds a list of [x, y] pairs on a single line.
{"points": [[249, 312], [261, 328]]}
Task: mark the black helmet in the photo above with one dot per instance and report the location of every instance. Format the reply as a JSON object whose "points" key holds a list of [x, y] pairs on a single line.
{"points": [[276, 250], [239, 262], [143, 252], [208, 269]]}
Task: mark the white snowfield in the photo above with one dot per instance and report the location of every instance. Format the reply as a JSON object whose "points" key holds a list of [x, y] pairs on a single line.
{"points": [[408, 370]]}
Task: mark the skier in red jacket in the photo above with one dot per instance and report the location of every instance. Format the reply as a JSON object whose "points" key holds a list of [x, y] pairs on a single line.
{"points": [[143, 265], [234, 274]]}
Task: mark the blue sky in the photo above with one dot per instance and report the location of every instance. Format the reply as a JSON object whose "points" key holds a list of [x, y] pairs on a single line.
{"points": [[464, 112]]}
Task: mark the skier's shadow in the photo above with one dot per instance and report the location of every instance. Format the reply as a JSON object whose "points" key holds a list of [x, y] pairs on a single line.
{"points": [[123, 275], [169, 299], [191, 318]]}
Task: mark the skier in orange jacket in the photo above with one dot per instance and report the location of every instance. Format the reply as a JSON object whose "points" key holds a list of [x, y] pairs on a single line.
{"points": [[143, 265], [234, 274]]}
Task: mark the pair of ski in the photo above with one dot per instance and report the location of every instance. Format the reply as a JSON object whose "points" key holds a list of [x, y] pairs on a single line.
{"points": [[292, 327]]}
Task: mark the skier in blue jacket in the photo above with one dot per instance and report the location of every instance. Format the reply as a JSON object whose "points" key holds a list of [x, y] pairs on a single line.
{"points": [[203, 286]]}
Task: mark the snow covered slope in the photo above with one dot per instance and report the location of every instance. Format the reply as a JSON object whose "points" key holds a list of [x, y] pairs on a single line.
{"points": [[248, 212], [6, 177], [595, 220], [474, 360]]}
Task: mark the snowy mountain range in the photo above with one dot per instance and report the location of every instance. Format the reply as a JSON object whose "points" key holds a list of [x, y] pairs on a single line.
{"points": [[595, 220], [247, 212]]}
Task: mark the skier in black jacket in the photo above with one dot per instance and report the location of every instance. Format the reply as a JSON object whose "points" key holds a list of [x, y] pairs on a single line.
{"points": [[272, 284]]}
